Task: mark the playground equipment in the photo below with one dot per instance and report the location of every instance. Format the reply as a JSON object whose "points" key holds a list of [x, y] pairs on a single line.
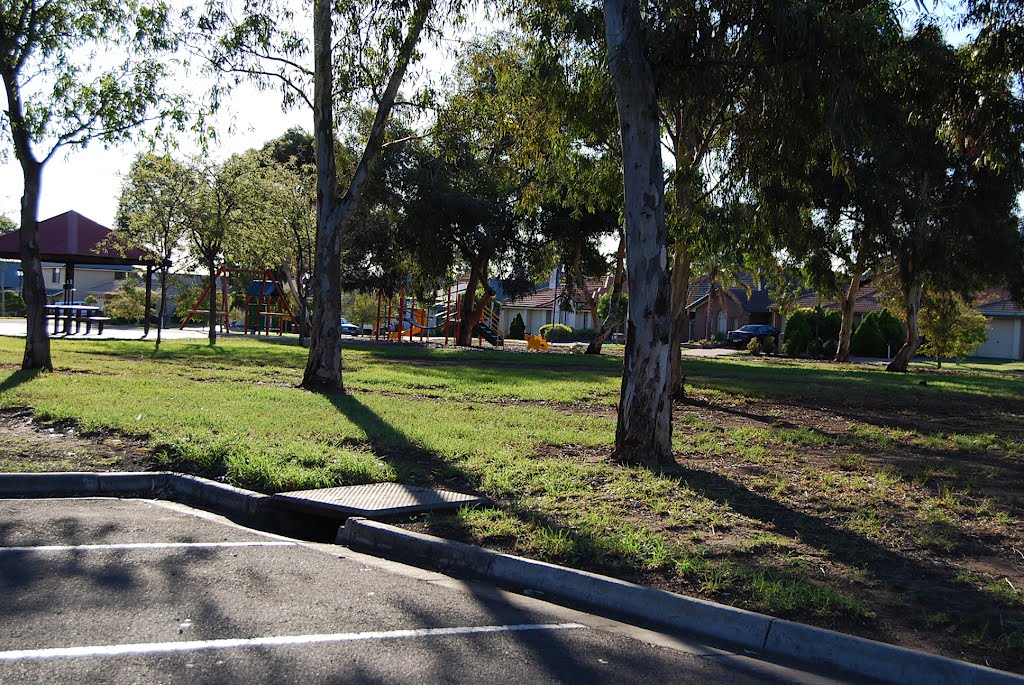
{"points": [[488, 329], [403, 321], [265, 302], [406, 320]]}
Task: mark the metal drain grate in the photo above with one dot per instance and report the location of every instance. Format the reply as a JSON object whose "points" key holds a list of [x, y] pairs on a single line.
{"points": [[373, 501]]}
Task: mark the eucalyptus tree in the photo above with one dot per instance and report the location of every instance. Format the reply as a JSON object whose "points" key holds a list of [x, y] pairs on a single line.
{"points": [[153, 213], [962, 170], [365, 62], [224, 194], [278, 227], [74, 72]]}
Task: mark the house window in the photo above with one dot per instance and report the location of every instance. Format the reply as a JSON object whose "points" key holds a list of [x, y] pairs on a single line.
{"points": [[56, 276], [722, 324], [120, 275]]}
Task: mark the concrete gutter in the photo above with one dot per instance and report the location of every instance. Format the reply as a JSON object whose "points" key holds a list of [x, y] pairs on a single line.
{"points": [[752, 632]]}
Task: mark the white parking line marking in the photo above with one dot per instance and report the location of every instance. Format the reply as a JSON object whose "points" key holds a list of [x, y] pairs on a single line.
{"points": [[143, 545], [278, 641]]}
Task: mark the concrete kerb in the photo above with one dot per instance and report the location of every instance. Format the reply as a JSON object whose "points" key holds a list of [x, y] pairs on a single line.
{"points": [[758, 633], [192, 490]]}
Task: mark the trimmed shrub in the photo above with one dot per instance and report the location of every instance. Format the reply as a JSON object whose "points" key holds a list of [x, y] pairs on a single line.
{"points": [[829, 325], [14, 304], [768, 346], [754, 346], [517, 329], [868, 340], [562, 333], [892, 329], [798, 332], [829, 349], [815, 348]]}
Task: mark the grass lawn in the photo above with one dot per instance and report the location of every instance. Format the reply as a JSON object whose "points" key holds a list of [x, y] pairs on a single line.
{"points": [[884, 505]]}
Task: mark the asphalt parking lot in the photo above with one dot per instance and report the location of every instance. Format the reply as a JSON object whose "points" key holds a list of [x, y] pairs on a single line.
{"points": [[139, 591]]}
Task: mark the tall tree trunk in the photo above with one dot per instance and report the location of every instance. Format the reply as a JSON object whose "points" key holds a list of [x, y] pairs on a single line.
{"points": [[323, 366], [37, 342], [614, 299], [680, 317], [685, 156], [850, 301], [472, 311], [644, 429], [913, 281], [212, 266], [912, 302]]}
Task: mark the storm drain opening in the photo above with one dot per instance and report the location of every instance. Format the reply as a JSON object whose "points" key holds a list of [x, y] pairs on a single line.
{"points": [[375, 501]]}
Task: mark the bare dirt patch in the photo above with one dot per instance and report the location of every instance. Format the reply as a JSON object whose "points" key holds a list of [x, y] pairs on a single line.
{"points": [[27, 445]]}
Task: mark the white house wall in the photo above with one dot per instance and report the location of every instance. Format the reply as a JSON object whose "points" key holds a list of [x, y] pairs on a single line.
{"points": [[1005, 340]]}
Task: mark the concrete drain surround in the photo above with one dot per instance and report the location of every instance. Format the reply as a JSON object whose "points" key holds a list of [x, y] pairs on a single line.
{"points": [[373, 501]]}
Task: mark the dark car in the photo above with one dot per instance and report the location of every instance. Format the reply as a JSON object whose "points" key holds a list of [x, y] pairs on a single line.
{"points": [[744, 334]]}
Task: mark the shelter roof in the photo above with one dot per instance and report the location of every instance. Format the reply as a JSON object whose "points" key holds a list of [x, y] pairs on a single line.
{"points": [[71, 238]]}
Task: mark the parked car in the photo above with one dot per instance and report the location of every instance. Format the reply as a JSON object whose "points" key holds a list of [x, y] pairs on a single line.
{"points": [[349, 328], [744, 334]]}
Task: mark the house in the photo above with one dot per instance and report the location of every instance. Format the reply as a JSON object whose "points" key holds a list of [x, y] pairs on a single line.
{"points": [[866, 302], [545, 305], [1005, 326], [97, 280], [712, 311]]}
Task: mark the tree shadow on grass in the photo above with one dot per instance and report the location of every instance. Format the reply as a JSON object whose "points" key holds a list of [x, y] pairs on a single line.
{"points": [[18, 378], [413, 463]]}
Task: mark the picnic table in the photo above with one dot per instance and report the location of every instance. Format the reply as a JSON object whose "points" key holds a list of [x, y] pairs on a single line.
{"points": [[77, 313]]}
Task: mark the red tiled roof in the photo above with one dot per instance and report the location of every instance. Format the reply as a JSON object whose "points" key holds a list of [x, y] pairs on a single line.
{"points": [[997, 302], [544, 298], [866, 302], [73, 238]]}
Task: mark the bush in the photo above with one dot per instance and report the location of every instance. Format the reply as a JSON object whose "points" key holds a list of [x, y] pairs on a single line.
{"points": [[807, 331], [768, 346], [604, 303], [815, 348], [562, 333], [127, 305], [517, 329], [718, 337], [829, 349], [892, 329], [798, 332], [868, 340], [829, 324], [754, 346], [14, 304]]}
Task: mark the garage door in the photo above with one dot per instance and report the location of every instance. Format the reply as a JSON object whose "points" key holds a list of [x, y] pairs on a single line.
{"points": [[1003, 340]]}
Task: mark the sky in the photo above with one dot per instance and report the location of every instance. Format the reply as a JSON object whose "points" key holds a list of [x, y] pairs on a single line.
{"points": [[89, 180]]}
